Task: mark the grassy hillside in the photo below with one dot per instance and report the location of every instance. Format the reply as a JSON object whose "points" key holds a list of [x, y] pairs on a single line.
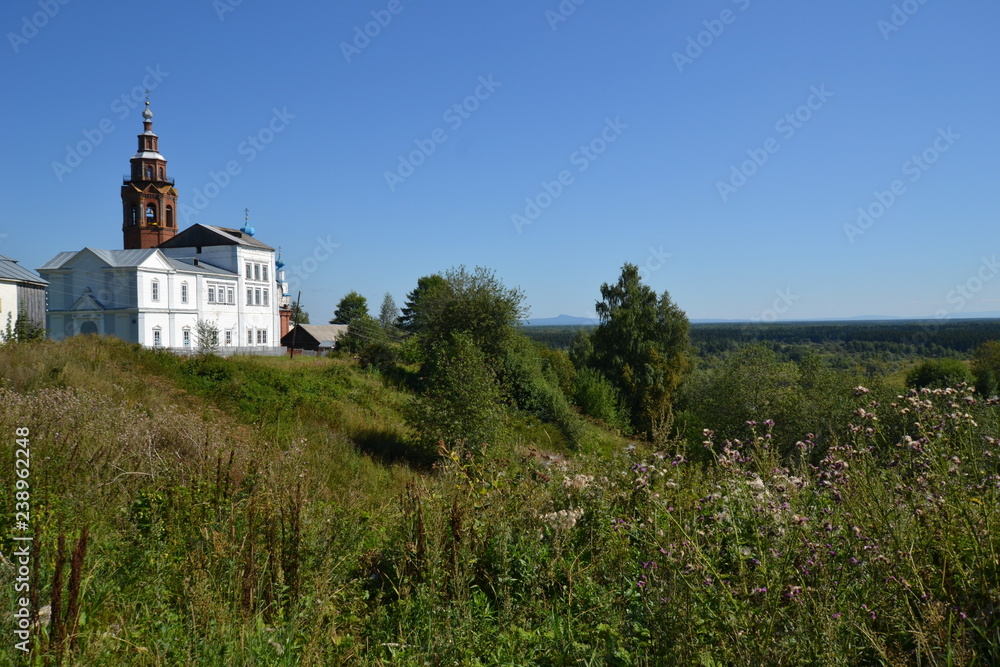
{"points": [[274, 512]]}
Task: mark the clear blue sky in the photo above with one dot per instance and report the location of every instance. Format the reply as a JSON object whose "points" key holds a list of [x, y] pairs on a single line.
{"points": [[887, 91]]}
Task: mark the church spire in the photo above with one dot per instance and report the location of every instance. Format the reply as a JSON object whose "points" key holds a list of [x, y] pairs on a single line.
{"points": [[149, 199]]}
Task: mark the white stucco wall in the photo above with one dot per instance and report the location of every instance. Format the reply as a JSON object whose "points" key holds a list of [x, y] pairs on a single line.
{"points": [[134, 315], [8, 306]]}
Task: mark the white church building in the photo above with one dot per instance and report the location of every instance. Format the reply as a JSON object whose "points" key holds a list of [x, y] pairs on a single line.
{"points": [[156, 290]]}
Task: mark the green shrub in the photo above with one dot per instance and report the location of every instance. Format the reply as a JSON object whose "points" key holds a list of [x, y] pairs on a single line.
{"points": [[363, 330], [597, 397], [378, 354], [938, 374], [462, 402], [986, 368]]}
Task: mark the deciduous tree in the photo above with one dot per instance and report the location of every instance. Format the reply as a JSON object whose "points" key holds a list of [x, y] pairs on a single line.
{"points": [[299, 316], [462, 402], [986, 368], [352, 306]]}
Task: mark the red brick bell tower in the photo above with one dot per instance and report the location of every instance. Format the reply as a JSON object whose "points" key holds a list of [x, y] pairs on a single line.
{"points": [[149, 199]]}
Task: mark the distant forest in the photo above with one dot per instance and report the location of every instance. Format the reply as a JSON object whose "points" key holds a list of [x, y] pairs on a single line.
{"points": [[885, 341]]}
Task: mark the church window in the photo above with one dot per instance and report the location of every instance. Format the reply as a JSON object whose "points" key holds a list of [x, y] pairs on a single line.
{"points": [[135, 216], [265, 298], [249, 271], [184, 293], [264, 273], [155, 290], [150, 214], [170, 217], [187, 338], [161, 173], [249, 336], [256, 271], [263, 336], [157, 339], [229, 337], [149, 173]]}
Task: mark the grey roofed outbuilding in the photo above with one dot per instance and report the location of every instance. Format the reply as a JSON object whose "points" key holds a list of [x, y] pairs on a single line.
{"points": [[12, 271], [313, 336]]}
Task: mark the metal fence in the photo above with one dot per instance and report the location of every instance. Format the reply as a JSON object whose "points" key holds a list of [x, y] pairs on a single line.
{"points": [[224, 351]]}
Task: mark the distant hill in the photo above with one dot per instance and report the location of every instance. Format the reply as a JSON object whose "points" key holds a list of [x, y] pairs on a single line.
{"points": [[571, 320], [561, 321]]}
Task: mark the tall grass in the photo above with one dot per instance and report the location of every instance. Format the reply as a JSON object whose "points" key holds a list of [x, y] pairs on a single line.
{"points": [[268, 511]]}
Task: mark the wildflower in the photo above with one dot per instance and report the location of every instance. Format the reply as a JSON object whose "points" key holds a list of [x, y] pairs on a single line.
{"points": [[578, 482], [563, 519]]}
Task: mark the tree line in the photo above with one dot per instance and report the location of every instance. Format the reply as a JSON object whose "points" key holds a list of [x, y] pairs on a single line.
{"points": [[459, 341]]}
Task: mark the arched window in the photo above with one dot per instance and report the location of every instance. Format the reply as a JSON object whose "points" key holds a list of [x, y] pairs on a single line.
{"points": [[150, 214], [149, 173], [135, 216], [161, 173], [170, 216]]}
